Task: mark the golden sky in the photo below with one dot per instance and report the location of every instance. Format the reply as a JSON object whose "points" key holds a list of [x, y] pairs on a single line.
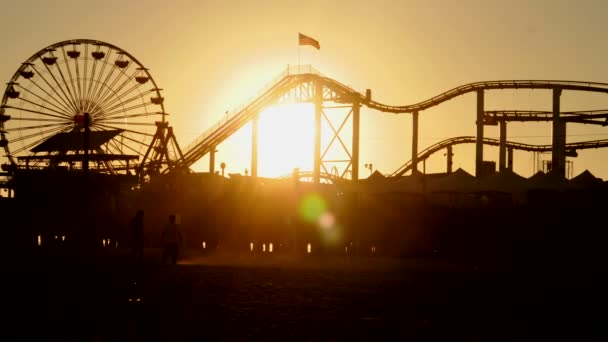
{"points": [[209, 56]]}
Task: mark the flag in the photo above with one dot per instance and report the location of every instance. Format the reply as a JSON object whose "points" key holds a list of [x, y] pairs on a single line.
{"points": [[306, 40]]}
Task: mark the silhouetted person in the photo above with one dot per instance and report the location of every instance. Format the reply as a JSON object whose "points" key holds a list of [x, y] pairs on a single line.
{"points": [[171, 238], [137, 236]]}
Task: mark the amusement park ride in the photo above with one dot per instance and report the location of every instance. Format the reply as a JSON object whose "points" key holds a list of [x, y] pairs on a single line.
{"points": [[81, 102]]}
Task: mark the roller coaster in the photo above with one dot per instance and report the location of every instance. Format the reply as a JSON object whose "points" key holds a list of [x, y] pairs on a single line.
{"points": [[448, 143], [54, 92]]}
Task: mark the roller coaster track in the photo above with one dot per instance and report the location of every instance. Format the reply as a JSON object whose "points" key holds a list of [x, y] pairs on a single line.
{"points": [[594, 117], [292, 77], [491, 85], [426, 153]]}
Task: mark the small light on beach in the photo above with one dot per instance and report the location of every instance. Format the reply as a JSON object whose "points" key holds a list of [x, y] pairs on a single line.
{"points": [[108, 242], [63, 238], [56, 237], [309, 248], [263, 247], [116, 244], [251, 246], [103, 242], [204, 245], [270, 247], [346, 249], [373, 249], [39, 240]]}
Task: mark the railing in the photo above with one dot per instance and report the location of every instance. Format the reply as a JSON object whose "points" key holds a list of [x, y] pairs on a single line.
{"points": [[290, 70]]}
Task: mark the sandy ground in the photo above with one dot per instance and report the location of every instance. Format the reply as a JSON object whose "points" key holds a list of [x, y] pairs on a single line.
{"points": [[262, 297]]}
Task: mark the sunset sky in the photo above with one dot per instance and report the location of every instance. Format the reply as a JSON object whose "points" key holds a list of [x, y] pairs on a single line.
{"points": [[210, 56]]}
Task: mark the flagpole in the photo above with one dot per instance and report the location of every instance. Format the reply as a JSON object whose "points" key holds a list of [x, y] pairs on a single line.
{"points": [[298, 57]]}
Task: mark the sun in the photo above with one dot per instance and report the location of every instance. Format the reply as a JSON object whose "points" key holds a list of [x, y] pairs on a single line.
{"points": [[286, 139]]}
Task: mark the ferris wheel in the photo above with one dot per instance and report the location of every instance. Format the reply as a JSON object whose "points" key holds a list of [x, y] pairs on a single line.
{"points": [[78, 86]]}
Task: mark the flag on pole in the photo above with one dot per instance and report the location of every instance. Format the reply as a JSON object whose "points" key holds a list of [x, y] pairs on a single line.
{"points": [[306, 40]]}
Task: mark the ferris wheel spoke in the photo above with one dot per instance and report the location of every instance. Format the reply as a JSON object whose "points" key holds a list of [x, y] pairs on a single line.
{"points": [[114, 91], [98, 90], [37, 119], [59, 103], [65, 100], [90, 89], [126, 130], [112, 104], [31, 144], [129, 123], [25, 128], [46, 132], [122, 103], [67, 84], [84, 79], [127, 116], [127, 109], [44, 107], [69, 98], [109, 91], [77, 97], [98, 81], [61, 109], [35, 112]]}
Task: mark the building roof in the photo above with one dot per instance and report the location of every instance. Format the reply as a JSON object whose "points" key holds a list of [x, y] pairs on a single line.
{"points": [[457, 181], [74, 141], [505, 181]]}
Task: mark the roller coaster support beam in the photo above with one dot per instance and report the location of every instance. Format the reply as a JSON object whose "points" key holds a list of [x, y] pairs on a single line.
{"points": [[449, 154], [479, 141], [212, 151], [510, 158], [502, 147], [414, 141], [318, 100], [355, 156], [558, 153], [254, 145]]}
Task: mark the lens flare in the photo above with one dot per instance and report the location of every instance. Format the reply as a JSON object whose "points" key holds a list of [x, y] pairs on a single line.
{"points": [[312, 207], [327, 220]]}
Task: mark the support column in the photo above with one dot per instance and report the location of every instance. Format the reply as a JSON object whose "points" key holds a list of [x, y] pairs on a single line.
{"points": [[415, 142], [318, 100], [558, 150], [510, 158], [449, 154], [355, 156], [479, 141], [502, 148], [212, 160], [85, 145], [254, 145]]}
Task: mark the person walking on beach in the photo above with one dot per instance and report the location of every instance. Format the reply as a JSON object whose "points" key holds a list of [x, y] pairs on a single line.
{"points": [[137, 236], [171, 238]]}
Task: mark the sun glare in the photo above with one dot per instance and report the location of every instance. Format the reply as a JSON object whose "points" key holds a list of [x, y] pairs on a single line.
{"points": [[286, 139]]}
